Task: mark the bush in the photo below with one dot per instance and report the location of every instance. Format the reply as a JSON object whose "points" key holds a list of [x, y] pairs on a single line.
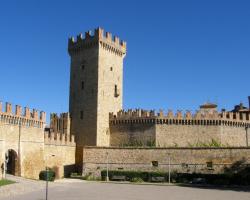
{"points": [[136, 180], [143, 175], [76, 175], [215, 179], [240, 177], [47, 175], [129, 174]]}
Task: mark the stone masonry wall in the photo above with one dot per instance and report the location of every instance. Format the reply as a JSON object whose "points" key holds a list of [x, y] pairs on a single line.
{"points": [[61, 158], [181, 159], [110, 78], [235, 135], [1, 157], [128, 134], [24, 134], [83, 89], [95, 85], [185, 135], [193, 135], [60, 153], [226, 129]]}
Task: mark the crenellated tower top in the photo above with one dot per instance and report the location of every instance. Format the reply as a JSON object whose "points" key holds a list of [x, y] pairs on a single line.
{"points": [[101, 37]]}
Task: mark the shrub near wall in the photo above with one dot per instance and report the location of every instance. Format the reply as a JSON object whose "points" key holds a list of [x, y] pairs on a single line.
{"points": [[215, 179], [47, 175], [242, 178], [131, 175]]}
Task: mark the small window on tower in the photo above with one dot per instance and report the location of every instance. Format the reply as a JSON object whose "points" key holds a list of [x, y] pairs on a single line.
{"points": [[82, 85], [116, 91], [81, 114], [111, 68]]}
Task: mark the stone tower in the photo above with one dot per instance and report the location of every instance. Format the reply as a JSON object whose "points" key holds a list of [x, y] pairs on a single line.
{"points": [[96, 85]]}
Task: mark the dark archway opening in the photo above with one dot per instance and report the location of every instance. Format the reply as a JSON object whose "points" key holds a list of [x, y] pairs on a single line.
{"points": [[11, 162]]}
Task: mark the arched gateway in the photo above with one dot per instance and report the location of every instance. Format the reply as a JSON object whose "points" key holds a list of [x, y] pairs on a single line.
{"points": [[11, 162]]}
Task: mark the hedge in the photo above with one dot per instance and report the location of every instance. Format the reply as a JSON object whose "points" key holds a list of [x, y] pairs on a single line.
{"points": [[47, 175], [213, 179], [130, 175]]}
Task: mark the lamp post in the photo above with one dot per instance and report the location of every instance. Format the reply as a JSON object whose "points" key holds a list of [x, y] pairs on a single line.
{"points": [[107, 166], [169, 169], [47, 181]]}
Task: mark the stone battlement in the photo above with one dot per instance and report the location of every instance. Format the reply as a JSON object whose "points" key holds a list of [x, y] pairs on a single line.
{"points": [[113, 44], [26, 118], [198, 118], [53, 138], [60, 123], [59, 131]]}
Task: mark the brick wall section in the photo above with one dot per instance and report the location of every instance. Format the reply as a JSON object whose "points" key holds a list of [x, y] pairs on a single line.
{"points": [[110, 73], [1, 156], [84, 69], [23, 134], [125, 134], [60, 153], [61, 158], [186, 135], [228, 129], [170, 135], [30, 152], [234, 135], [95, 158]]}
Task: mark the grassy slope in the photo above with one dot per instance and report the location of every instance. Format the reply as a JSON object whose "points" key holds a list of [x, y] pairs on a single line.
{"points": [[5, 182]]}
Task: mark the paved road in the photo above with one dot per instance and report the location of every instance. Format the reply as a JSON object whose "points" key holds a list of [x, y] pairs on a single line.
{"points": [[70, 190]]}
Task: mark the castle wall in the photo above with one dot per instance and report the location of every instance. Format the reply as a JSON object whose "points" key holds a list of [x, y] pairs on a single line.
{"points": [[129, 134], [195, 135], [181, 159], [25, 135], [60, 123], [234, 136], [60, 153], [221, 129], [32, 152], [168, 135], [60, 158], [1, 156]]}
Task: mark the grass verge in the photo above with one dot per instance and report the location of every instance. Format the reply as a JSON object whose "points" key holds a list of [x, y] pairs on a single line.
{"points": [[5, 182]]}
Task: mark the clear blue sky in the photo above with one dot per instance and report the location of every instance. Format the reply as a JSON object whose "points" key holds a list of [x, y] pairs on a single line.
{"points": [[180, 53]]}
